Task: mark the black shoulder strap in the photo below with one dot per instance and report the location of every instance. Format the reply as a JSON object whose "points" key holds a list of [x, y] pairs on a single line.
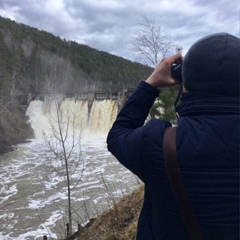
{"points": [[178, 187]]}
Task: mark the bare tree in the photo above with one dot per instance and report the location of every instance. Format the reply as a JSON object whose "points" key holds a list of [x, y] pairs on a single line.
{"points": [[64, 142], [55, 70], [151, 43]]}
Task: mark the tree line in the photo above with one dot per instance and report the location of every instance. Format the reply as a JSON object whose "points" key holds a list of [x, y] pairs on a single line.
{"points": [[34, 61], [38, 61]]}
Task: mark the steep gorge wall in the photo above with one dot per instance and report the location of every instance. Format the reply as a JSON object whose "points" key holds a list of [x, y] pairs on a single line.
{"points": [[35, 62]]}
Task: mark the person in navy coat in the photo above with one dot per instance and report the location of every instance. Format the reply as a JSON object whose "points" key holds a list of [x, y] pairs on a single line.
{"points": [[207, 140]]}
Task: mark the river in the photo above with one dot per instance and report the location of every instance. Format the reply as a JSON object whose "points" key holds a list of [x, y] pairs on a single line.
{"points": [[33, 194]]}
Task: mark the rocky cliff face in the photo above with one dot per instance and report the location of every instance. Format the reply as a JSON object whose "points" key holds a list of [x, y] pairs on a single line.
{"points": [[13, 127]]}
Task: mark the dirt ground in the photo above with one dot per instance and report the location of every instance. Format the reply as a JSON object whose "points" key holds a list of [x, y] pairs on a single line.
{"points": [[117, 223]]}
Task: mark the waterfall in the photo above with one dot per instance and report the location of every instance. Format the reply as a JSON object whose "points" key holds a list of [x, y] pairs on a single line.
{"points": [[102, 115], [44, 115]]}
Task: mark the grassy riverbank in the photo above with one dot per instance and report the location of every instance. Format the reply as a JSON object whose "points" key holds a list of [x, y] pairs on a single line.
{"points": [[117, 223]]}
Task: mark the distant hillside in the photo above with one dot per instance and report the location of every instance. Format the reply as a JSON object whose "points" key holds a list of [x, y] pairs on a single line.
{"points": [[37, 61], [34, 61]]}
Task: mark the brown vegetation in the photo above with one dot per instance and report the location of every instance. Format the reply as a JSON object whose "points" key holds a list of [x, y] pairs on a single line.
{"points": [[13, 126], [117, 223]]}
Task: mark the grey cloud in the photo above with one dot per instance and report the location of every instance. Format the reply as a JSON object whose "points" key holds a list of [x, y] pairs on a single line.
{"points": [[110, 25]]}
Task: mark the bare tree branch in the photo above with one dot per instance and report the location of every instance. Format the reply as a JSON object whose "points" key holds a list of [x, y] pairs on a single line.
{"points": [[65, 144], [151, 43]]}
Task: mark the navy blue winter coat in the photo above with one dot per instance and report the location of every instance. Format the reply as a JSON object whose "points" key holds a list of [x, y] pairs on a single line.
{"points": [[208, 154]]}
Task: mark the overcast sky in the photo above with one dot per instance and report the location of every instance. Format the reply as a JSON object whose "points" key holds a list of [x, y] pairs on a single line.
{"points": [[109, 25]]}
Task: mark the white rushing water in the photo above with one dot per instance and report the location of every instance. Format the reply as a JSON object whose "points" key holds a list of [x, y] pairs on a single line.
{"points": [[32, 190]]}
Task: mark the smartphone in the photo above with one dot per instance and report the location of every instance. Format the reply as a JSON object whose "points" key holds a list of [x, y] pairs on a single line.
{"points": [[176, 71]]}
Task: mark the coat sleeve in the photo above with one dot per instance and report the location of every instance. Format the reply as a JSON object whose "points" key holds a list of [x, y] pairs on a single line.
{"points": [[125, 137]]}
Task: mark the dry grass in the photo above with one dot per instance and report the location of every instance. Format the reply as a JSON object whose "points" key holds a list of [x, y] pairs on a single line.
{"points": [[117, 223]]}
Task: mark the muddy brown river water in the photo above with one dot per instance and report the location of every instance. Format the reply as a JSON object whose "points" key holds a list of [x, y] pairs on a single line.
{"points": [[33, 199], [33, 196]]}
